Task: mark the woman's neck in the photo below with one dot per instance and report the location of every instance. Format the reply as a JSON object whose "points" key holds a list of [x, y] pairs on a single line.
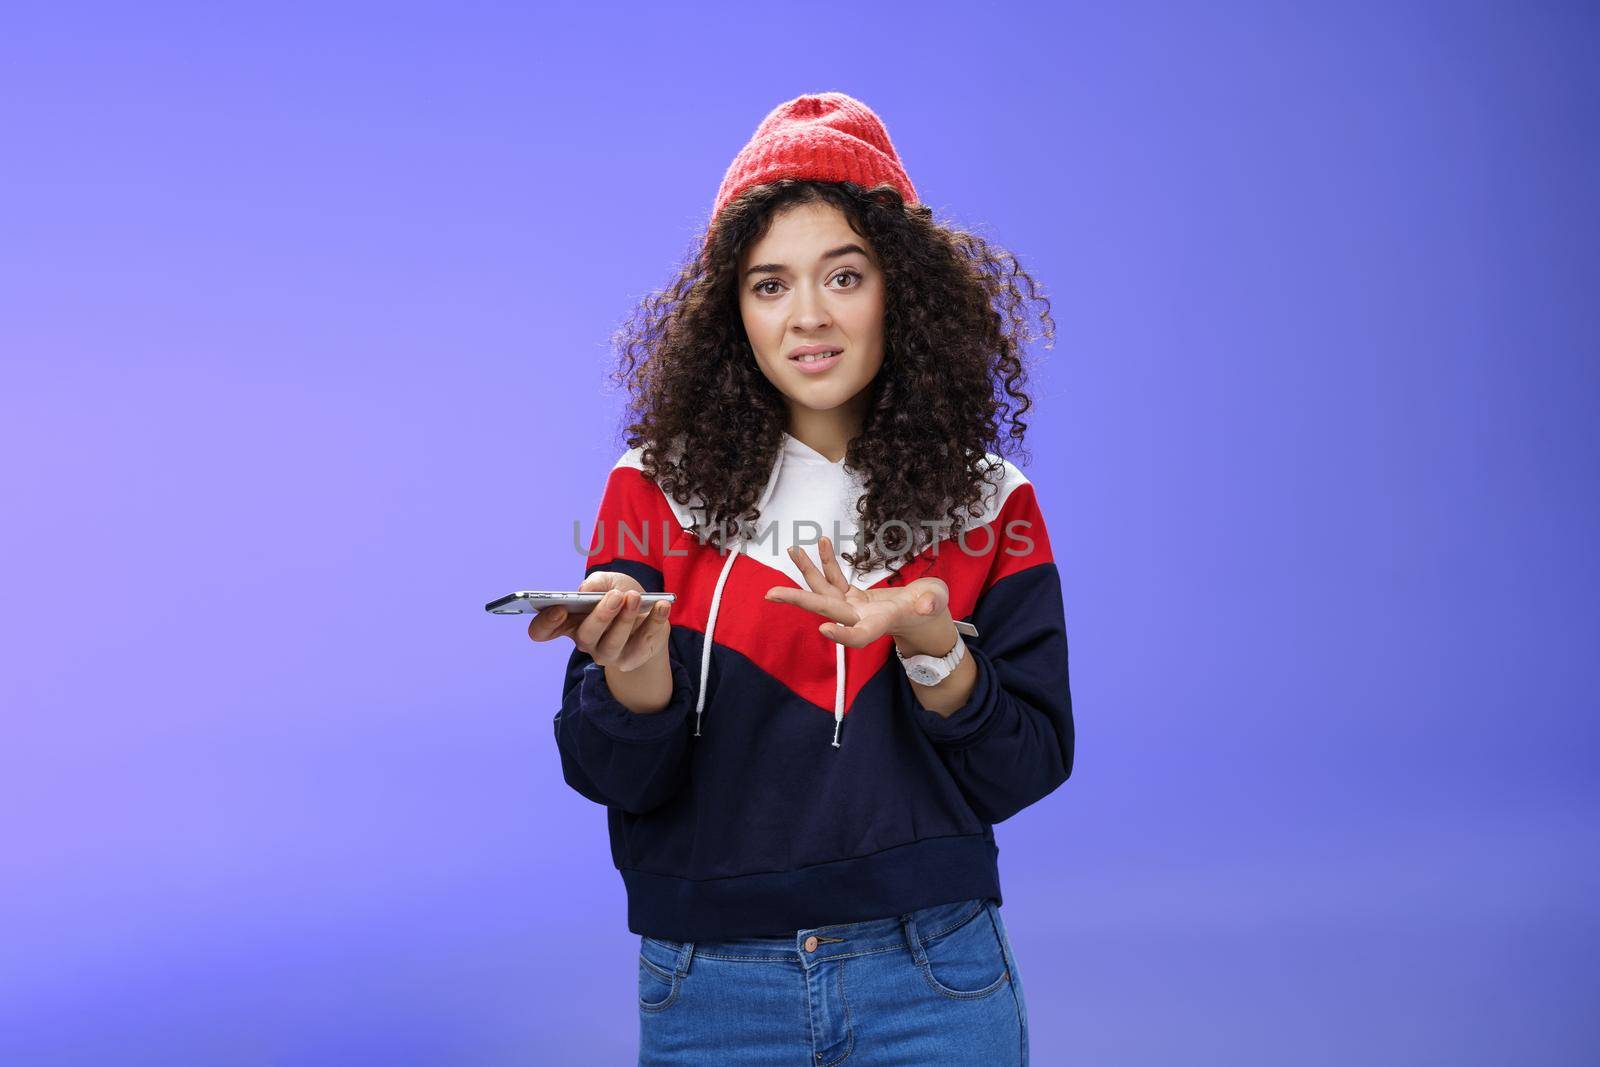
{"points": [[829, 432]]}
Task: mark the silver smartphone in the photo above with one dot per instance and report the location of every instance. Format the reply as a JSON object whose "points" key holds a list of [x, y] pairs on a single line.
{"points": [[528, 602]]}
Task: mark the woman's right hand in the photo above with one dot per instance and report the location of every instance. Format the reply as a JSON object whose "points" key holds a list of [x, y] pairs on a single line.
{"points": [[616, 633]]}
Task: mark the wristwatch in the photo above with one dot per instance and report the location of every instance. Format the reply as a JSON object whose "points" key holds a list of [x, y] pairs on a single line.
{"points": [[931, 670]]}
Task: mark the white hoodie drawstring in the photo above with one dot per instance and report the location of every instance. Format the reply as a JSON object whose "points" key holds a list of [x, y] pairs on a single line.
{"points": [[838, 692], [711, 627]]}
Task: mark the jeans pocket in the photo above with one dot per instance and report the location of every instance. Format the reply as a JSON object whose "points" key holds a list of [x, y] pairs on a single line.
{"points": [[659, 979], [962, 953]]}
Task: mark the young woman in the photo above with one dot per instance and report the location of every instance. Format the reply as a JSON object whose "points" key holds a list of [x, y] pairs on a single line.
{"points": [[803, 759]]}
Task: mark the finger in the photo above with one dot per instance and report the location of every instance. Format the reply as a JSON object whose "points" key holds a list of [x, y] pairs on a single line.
{"points": [[615, 638], [831, 569], [648, 637], [858, 636], [547, 623], [808, 570], [567, 625], [829, 606], [595, 622], [598, 582], [601, 581]]}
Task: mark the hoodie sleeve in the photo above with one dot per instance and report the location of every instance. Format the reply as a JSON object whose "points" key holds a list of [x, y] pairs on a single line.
{"points": [[609, 754], [1011, 744]]}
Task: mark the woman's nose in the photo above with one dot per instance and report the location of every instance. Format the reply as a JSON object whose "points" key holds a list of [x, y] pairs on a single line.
{"points": [[810, 311]]}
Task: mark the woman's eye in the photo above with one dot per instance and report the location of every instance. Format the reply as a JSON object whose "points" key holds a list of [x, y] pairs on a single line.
{"points": [[760, 288]]}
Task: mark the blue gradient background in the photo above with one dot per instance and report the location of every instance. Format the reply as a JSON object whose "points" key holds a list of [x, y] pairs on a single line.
{"points": [[304, 316]]}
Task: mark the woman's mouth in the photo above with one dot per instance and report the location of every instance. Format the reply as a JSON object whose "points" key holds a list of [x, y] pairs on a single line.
{"points": [[816, 363]]}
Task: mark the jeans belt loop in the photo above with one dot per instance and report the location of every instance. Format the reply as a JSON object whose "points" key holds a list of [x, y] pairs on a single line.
{"points": [[913, 941]]}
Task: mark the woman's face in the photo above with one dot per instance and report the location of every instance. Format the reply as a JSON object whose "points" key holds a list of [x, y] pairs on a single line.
{"points": [[812, 280]]}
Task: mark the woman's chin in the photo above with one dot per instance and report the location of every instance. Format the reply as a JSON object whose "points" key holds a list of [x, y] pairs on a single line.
{"points": [[823, 395]]}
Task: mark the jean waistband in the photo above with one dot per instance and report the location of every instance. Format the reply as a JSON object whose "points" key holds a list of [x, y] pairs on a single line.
{"points": [[909, 931]]}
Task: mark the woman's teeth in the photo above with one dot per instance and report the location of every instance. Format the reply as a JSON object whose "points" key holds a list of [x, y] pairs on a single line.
{"points": [[815, 356]]}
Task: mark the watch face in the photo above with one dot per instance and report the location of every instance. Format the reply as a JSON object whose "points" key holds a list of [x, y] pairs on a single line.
{"points": [[925, 675]]}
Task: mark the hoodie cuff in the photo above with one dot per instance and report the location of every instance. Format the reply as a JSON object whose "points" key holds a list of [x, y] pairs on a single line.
{"points": [[614, 719], [970, 720]]}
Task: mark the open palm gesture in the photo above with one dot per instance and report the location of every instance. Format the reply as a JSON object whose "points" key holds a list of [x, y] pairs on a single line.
{"points": [[861, 616]]}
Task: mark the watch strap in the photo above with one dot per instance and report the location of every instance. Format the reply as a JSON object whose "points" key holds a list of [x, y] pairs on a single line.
{"points": [[944, 664]]}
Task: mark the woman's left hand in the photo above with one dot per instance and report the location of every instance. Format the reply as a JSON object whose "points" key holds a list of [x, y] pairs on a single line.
{"points": [[862, 616]]}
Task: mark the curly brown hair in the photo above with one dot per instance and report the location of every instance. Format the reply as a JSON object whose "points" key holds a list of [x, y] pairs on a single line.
{"points": [[951, 380]]}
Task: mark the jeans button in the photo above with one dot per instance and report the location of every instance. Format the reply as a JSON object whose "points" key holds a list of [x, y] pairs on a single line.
{"points": [[811, 943]]}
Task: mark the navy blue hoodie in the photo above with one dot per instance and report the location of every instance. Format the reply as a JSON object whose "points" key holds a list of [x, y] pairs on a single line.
{"points": [[793, 782]]}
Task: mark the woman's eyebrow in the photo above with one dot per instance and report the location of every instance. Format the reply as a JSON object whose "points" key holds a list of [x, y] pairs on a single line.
{"points": [[775, 268]]}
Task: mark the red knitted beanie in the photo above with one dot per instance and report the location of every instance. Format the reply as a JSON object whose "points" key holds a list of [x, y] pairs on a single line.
{"points": [[828, 137]]}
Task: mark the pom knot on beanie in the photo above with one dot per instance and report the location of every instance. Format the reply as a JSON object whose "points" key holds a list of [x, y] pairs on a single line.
{"points": [[830, 137]]}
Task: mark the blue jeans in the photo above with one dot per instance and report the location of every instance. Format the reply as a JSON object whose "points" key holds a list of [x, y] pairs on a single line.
{"points": [[935, 986]]}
